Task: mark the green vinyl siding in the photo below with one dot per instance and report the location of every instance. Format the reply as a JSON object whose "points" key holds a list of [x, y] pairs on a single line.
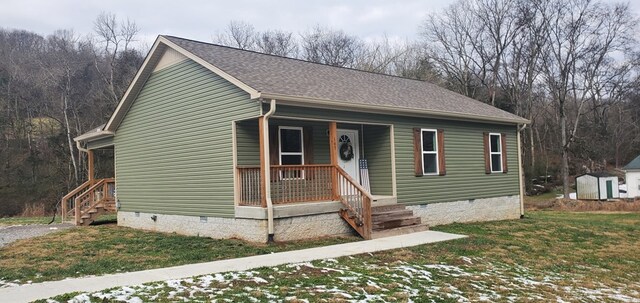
{"points": [[377, 150], [174, 146], [248, 143], [464, 154]]}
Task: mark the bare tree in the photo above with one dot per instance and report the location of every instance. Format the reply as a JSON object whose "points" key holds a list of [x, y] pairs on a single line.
{"points": [[415, 63], [583, 36], [521, 67], [332, 47], [238, 34], [380, 56], [115, 38], [277, 42], [449, 36]]}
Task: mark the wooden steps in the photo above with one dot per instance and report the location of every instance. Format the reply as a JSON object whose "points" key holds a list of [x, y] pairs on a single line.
{"points": [[92, 214], [89, 201], [394, 219]]}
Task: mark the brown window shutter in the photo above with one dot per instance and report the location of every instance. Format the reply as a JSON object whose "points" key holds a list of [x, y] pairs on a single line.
{"points": [[487, 153], [442, 166], [417, 152], [274, 145], [504, 152]]}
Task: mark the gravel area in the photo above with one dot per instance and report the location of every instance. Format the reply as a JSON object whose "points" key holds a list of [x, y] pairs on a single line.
{"points": [[10, 234]]}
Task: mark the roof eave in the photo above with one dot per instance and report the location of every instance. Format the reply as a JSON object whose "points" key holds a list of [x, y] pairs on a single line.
{"points": [[382, 109], [94, 136]]}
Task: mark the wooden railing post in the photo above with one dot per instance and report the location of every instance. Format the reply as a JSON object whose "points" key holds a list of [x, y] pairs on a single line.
{"points": [[76, 218], [63, 214], [333, 152]]}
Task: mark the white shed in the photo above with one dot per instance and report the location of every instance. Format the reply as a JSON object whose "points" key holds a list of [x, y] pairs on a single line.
{"points": [[597, 186], [633, 178]]}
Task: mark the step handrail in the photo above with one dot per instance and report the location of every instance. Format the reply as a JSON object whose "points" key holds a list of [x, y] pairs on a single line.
{"points": [[82, 188], [365, 214], [79, 212]]}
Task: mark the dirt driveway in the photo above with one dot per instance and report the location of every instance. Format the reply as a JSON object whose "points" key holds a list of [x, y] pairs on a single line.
{"points": [[10, 234]]}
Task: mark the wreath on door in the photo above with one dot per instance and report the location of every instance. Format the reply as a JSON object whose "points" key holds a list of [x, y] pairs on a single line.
{"points": [[346, 151]]}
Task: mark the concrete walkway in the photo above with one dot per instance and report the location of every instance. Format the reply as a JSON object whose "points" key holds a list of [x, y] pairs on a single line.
{"points": [[31, 292]]}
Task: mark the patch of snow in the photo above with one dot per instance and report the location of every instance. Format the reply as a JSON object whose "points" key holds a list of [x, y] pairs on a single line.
{"points": [[81, 298]]}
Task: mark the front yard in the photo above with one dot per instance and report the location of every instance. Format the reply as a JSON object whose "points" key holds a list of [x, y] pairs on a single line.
{"points": [[105, 249], [548, 256]]}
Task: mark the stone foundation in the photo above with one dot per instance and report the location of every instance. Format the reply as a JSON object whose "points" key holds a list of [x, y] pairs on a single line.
{"points": [[313, 226], [317, 225], [489, 209], [214, 227]]}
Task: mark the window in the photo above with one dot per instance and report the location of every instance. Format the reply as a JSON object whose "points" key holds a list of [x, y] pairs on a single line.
{"points": [[495, 152], [429, 152], [291, 149]]}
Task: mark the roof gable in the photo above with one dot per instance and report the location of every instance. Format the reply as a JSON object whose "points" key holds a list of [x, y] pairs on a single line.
{"points": [[634, 164], [157, 60]]}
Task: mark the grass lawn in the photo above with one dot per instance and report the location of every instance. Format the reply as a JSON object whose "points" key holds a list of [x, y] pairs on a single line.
{"points": [[26, 220], [104, 249], [548, 256]]}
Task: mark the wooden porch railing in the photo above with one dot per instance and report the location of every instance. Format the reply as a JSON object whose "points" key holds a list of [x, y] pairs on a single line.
{"points": [[309, 183], [356, 201], [87, 197], [289, 184], [301, 183], [249, 192]]}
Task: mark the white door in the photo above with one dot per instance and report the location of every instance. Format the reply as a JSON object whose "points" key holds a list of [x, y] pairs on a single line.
{"points": [[349, 152]]}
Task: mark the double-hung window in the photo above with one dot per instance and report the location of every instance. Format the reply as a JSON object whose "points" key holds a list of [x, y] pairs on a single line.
{"points": [[495, 152], [291, 149], [429, 152]]}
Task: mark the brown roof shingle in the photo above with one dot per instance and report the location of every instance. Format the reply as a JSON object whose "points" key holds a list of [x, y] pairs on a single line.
{"points": [[276, 75]]}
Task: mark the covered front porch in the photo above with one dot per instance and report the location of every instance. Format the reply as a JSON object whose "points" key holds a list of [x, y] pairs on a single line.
{"points": [[96, 196], [305, 166]]}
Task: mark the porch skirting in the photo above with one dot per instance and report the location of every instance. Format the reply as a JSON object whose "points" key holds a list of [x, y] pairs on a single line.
{"points": [[317, 225]]}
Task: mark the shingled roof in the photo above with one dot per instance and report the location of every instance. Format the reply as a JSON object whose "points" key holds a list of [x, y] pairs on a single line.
{"points": [[293, 78], [635, 164]]}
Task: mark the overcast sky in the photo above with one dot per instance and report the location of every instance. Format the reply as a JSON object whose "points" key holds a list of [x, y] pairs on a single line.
{"points": [[202, 19]]}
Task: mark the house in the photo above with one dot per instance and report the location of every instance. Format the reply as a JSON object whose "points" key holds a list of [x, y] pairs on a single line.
{"points": [[221, 142], [632, 177], [597, 186]]}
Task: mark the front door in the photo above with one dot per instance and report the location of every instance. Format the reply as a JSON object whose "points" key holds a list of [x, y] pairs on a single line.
{"points": [[349, 152], [609, 189]]}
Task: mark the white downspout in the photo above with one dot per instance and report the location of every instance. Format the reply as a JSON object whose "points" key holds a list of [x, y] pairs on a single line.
{"points": [[267, 161], [520, 172]]}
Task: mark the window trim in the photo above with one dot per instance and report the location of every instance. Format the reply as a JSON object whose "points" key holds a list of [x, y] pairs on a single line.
{"points": [[500, 153], [281, 153], [435, 152]]}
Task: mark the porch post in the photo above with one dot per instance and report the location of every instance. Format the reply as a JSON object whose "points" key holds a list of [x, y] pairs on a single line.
{"points": [[90, 166], [333, 152], [263, 164]]}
